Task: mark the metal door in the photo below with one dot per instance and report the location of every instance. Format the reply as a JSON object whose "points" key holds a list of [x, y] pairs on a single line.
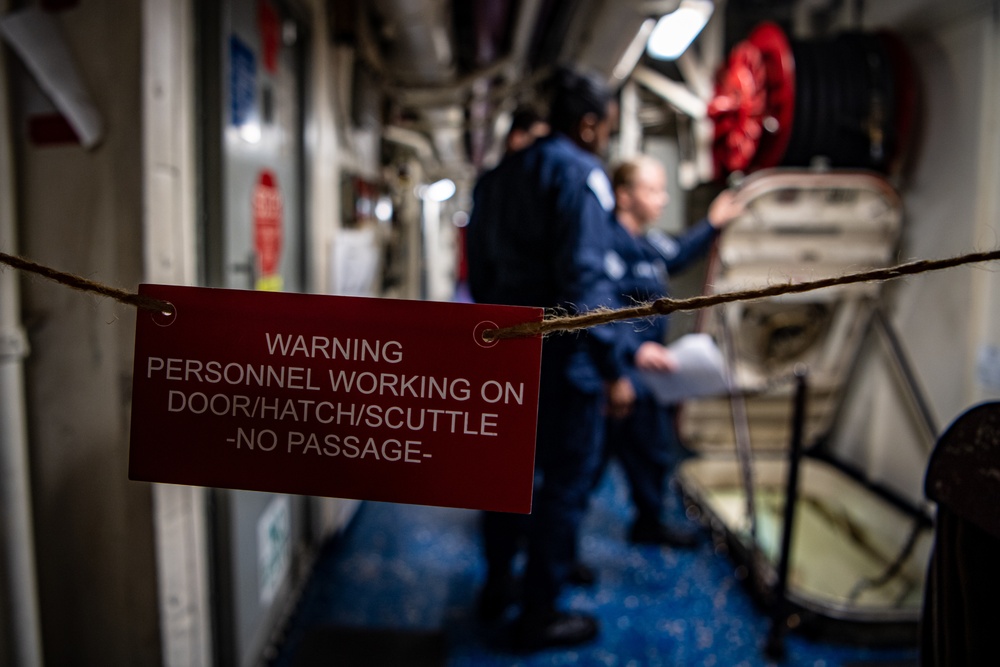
{"points": [[252, 61]]}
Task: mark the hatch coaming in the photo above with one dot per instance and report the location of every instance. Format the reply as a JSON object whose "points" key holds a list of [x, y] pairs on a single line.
{"points": [[798, 226], [801, 226]]}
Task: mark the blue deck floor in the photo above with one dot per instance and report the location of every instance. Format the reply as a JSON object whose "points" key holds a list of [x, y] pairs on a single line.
{"points": [[418, 568]]}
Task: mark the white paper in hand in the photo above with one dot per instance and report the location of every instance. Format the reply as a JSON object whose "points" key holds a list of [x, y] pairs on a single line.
{"points": [[700, 371]]}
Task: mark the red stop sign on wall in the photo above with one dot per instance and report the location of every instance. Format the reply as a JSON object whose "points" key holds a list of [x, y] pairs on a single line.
{"points": [[267, 223]]}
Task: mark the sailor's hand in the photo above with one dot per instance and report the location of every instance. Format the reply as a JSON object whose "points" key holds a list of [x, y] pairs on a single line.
{"points": [[725, 208], [651, 356], [621, 397]]}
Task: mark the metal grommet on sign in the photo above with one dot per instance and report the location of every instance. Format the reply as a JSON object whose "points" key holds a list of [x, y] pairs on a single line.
{"points": [[163, 318], [481, 328]]}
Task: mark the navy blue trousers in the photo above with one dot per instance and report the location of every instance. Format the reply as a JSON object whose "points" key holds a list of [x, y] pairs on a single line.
{"points": [[645, 444], [567, 459]]}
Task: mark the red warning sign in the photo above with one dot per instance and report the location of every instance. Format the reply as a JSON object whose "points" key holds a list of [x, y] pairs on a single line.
{"points": [[267, 224], [377, 399]]}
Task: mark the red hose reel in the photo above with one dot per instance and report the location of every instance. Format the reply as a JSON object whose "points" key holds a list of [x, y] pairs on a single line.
{"points": [[849, 99]]}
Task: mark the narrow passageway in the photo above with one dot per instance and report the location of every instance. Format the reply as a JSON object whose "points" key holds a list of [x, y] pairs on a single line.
{"points": [[403, 579]]}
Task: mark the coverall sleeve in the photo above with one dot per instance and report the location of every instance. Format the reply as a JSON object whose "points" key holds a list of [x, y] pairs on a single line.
{"points": [[679, 251]]}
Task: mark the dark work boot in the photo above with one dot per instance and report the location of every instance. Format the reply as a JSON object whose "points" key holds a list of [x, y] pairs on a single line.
{"points": [[496, 596], [657, 533], [581, 574], [536, 630]]}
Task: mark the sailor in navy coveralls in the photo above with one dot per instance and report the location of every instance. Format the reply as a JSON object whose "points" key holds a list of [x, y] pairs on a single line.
{"points": [[537, 237], [641, 260]]}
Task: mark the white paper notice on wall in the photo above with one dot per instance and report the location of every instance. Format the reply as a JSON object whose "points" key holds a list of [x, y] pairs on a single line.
{"points": [[34, 35], [355, 262], [274, 548], [988, 366]]}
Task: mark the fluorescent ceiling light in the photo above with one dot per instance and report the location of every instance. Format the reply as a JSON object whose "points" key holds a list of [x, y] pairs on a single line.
{"points": [[383, 209], [675, 31], [250, 132], [438, 190]]}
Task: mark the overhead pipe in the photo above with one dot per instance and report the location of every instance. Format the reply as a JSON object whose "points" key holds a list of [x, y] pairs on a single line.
{"points": [[420, 37], [418, 141], [19, 611], [686, 101], [676, 94]]}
